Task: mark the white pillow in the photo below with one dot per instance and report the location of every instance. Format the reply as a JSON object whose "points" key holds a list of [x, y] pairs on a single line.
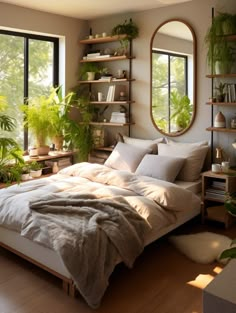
{"points": [[205, 247], [199, 143], [143, 143], [194, 155], [126, 157], [160, 167]]}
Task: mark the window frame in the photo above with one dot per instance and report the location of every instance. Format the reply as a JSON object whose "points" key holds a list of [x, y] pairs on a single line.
{"points": [[27, 37]]}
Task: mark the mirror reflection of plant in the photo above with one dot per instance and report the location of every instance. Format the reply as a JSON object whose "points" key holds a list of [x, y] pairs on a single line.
{"points": [[181, 109], [10, 152]]}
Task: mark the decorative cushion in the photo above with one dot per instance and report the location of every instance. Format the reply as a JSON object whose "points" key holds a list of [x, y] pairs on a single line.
{"points": [[126, 157], [143, 143], [205, 247], [194, 155], [160, 167]]}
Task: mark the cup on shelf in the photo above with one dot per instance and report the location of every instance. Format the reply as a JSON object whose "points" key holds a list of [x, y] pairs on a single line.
{"points": [[225, 166], [216, 168], [100, 96]]}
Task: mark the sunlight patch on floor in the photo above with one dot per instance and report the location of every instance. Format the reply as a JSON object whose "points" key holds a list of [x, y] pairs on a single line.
{"points": [[201, 281]]}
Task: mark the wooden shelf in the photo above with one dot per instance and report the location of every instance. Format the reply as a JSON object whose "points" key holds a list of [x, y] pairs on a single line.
{"points": [[103, 39], [110, 124], [221, 129], [113, 80], [222, 103], [221, 75], [109, 149], [111, 102], [107, 59]]}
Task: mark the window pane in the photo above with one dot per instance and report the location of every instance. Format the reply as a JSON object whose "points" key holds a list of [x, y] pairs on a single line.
{"points": [[160, 97], [12, 80], [40, 77], [40, 67]]}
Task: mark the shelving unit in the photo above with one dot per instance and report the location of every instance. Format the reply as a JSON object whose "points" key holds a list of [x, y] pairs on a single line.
{"points": [[214, 188], [128, 80], [226, 78]]}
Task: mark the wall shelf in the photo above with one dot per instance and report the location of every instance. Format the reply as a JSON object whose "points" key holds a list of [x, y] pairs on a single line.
{"points": [[221, 129]]}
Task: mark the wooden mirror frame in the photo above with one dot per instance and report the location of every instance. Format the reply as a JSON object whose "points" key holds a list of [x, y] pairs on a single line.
{"points": [[194, 77]]}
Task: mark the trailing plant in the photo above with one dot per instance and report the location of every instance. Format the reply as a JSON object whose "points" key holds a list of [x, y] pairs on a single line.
{"points": [[10, 151], [219, 48], [128, 28]]}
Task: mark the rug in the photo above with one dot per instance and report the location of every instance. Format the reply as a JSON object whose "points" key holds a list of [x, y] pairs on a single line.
{"points": [[205, 247]]}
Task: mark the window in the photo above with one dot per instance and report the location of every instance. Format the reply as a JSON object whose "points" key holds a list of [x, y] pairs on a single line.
{"points": [[169, 75], [28, 67]]}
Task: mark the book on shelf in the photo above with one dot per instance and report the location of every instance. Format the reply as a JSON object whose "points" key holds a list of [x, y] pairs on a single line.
{"points": [[219, 184], [105, 78], [118, 117], [218, 191], [113, 93], [231, 92], [214, 195]]}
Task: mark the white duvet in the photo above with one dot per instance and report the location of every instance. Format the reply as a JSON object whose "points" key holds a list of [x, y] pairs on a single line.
{"points": [[157, 201]]}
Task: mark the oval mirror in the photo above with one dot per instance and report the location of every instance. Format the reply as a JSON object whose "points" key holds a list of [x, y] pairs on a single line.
{"points": [[173, 77]]}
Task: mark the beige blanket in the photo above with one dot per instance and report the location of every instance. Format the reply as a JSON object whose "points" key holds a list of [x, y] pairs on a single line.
{"points": [[89, 234]]}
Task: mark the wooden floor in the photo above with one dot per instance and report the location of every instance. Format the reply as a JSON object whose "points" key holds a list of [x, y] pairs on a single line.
{"points": [[162, 281]]}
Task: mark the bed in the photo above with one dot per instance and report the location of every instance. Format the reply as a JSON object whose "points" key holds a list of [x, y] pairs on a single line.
{"points": [[51, 221]]}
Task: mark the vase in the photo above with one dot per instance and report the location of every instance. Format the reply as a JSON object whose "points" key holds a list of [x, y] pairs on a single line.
{"points": [[90, 75], [219, 120]]}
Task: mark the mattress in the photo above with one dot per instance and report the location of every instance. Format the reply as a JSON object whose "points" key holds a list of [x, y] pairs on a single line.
{"points": [[195, 186]]}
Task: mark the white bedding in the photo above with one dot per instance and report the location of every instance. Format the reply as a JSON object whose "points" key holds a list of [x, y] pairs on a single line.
{"points": [[160, 203]]}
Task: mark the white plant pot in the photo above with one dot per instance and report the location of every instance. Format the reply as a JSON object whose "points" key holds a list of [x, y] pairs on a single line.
{"points": [[36, 174], [90, 75], [25, 176]]}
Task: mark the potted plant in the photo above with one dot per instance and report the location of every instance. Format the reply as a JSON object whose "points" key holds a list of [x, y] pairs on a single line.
{"points": [[220, 54], [38, 118], [10, 151], [35, 169], [79, 133], [221, 94], [181, 110], [128, 28], [88, 70], [24, 170], [60, 119]]}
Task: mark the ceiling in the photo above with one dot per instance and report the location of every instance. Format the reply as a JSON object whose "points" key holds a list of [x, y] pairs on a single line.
{"points": [[90, 9]]}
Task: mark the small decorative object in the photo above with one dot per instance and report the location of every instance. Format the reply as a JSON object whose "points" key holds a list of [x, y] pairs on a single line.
{"points": [[219, 120], [55, 167], [219, 155], [233, 122], [120, 74], [104, 34], [100, 96], [122, 96]]}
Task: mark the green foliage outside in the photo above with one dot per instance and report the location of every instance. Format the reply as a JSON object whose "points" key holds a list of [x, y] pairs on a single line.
{"points": [[12, 75], [161, 107]]}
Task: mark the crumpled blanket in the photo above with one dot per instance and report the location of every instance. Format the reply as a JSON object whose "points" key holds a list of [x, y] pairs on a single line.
{"points": [[90, 234]]}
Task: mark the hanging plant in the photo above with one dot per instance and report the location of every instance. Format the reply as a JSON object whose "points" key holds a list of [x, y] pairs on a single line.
{"points": [[128, 28]]}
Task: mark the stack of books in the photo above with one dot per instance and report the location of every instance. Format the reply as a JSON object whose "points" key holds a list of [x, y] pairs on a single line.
{"points": [[118, 117], [96, 55]]}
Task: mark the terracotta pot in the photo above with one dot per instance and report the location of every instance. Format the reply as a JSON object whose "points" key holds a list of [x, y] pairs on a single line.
{"points": [[43, 150], [58, 142]]}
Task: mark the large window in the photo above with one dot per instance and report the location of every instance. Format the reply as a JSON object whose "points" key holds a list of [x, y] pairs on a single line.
{"points": [[169, 75], [28, 68]]}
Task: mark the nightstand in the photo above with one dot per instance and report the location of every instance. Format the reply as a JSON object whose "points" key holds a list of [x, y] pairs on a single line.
{"points": [[214, 188]]}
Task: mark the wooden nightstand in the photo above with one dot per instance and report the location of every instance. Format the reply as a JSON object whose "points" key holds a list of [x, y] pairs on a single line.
{"points": [[214, 188]]}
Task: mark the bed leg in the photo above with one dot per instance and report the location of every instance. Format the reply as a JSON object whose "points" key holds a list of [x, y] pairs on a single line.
{"points": [[69, 288]]}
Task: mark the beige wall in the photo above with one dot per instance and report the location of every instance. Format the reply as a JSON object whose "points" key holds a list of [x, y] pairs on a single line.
{"points": [[69, 29], [198, 14]]}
